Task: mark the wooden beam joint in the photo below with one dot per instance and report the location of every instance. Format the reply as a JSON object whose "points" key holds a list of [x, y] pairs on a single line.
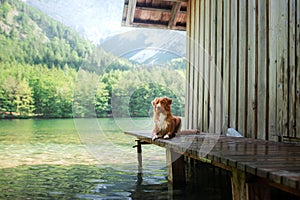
{"points": [[175, 10]]}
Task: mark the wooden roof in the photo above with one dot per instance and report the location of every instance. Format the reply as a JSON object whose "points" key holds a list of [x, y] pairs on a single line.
{"points": [[163, 14]]}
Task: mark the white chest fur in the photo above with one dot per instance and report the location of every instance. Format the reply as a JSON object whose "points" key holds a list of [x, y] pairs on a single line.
{"points": [[161, 122]]}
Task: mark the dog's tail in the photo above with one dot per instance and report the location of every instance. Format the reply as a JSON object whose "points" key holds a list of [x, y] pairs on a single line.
{"points": [[184, 132], [188, 132], [177, 124]]}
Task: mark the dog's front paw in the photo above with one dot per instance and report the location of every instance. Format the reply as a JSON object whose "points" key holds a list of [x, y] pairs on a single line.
{"points": [[166, 137], [154, 137]]}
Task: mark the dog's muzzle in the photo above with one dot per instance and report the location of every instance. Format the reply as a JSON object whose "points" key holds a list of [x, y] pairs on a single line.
{"points": [[158, 107]]}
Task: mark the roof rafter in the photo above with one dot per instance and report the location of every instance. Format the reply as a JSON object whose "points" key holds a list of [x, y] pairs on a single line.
{"points": [[130, 12], [166, 14], [175, 11], [177, 0]]}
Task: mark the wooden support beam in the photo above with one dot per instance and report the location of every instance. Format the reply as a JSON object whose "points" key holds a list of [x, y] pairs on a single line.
{"points": [[248, 187], [130, 12], [258, 189], [175, 10], [177, 0], [176, 167], [161, 26], [238, 184], [158, 9]]}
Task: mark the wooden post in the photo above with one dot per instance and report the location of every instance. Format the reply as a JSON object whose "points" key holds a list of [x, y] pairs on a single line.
{"points": [[247, 187], [258, 189], [238, 184], [139, 155], [176, 168]]}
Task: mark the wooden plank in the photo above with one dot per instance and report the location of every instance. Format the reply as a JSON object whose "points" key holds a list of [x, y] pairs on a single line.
{"points": [[239, 188], [148, 2], [130, 12], [206, 66], [156, 3], [155, 17], [242, 67], [243, 160], [188, 68], [233, 65], [226, 63], [201, 65], [160, 26], [176, 168], [285, 66], [212, 69], [262, 94], [274, 89], [177, 0], [160, 10], [273, 126], [191, 67], [192, 61], [124, 15], [292, 68], [277, 162], [282, 92], [219, 70], [175, 10], [196, 66], [251, 71], [290, 181], [258, 188], [297, 74]]}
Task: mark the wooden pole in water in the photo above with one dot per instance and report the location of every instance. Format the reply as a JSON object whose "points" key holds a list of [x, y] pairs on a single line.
{"points": [[176, 167], [139, 156]]}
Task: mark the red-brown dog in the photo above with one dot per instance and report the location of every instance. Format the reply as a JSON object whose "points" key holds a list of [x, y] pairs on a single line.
{"points": [[165, 124]]}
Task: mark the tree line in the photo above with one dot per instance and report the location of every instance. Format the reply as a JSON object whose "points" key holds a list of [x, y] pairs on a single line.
{"points": [[39, 91]]}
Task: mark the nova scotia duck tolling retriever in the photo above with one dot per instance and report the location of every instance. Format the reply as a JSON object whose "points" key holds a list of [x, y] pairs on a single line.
{"points": [[165, 124]]}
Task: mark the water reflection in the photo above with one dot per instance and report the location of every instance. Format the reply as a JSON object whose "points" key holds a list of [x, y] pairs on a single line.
{"points": [[79, 182], [45, 159], [100, 182]]}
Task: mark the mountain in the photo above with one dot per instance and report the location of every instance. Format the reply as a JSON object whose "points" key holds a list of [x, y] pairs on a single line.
{"points": [[100, 22], [147, 46], [94, 19], [28, 36]]}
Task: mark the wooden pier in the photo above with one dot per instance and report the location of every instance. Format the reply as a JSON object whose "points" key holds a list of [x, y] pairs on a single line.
{"points": [[256, 166], [242, 73]]}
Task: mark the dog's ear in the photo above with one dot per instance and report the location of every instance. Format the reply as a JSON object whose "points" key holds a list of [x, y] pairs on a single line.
{"points": [[154, 101], [169, 101]]}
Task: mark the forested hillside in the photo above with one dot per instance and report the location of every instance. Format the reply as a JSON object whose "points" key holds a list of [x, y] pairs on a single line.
{"points": [[30, 37], [48, 70]]}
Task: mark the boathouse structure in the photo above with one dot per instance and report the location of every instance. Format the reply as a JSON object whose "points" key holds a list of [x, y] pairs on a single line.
{"points": [[243, 72]]}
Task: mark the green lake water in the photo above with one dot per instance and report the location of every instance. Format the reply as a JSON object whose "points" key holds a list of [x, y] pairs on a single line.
{"points": [[56, 159], [87, 159]]}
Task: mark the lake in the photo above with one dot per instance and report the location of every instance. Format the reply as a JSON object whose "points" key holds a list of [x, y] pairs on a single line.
{"points": [[46, 159], [87, 159]]}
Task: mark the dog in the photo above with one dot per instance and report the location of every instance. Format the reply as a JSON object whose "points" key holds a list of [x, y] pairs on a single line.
{"points": [[165, 124]]}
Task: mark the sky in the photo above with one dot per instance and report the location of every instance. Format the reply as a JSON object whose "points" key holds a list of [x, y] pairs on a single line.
{"points": [[95, 19], [100, 20]]}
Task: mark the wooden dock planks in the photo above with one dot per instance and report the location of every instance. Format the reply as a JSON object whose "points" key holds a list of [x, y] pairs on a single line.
{"points": [[278, 163]]}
